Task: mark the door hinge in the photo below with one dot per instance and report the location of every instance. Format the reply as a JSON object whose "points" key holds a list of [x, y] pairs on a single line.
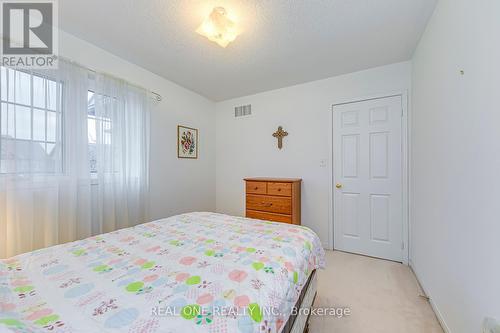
{"points": [[402, 112], [402, 245]]}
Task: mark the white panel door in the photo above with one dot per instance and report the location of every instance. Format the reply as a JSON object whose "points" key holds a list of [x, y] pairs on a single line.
{"points": [[368, 212]]}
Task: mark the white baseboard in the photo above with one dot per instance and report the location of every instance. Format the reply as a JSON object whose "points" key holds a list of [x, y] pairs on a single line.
{"points": [[438, 313]]}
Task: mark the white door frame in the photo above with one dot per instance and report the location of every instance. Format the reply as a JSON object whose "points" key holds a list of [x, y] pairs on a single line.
{"points": [[405, 168]]}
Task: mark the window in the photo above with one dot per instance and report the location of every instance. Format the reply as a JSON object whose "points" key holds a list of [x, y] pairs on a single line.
{"points": [[30, 123], [99, 129]]}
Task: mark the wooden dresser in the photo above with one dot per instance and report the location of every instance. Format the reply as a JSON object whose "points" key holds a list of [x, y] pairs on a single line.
{"points": [[273, 199]]}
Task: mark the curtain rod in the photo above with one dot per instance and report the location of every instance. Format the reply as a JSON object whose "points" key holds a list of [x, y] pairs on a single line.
{"points": [[157, 96]]}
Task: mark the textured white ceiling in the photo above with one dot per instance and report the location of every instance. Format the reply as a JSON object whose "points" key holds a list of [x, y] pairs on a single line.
{"points": [[284, 42]]}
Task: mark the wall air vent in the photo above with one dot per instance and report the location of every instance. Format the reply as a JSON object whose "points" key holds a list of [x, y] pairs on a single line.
{"points": [[243, 110]]}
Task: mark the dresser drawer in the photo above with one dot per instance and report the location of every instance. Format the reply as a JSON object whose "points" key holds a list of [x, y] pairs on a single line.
{"points": [[282, 189], [254, 214], [256, 187], [266, 203]]}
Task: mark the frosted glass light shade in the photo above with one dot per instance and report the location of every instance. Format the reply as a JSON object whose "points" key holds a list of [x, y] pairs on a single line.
{"points": [[218, 27]]}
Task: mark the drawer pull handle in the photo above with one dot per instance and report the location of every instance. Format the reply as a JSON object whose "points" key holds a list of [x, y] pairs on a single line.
{"points": [[267, 204], [256, 188], [279, 190]]}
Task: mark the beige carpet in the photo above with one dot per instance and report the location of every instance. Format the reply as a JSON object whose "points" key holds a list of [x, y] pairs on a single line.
{"points": [[382, 296]]}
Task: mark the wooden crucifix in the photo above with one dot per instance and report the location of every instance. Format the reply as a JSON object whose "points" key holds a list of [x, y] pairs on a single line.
{"points": [[280, 134]]}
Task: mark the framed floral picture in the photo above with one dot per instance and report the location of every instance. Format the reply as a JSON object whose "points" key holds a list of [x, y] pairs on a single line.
{"points": [[187, 142]]}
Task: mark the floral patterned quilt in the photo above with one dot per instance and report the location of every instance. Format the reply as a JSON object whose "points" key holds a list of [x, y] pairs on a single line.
{"points": [[197, 272]]}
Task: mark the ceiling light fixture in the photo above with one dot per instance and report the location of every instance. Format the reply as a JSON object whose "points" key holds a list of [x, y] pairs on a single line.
{"points": [[218, 27]]}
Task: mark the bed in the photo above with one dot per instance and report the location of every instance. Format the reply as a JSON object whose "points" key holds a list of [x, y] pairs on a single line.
{"points": [[196, 272]]}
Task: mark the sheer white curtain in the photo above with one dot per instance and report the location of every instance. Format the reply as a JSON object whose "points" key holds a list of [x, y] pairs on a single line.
{"points": [[74, 156], [121, 152]]}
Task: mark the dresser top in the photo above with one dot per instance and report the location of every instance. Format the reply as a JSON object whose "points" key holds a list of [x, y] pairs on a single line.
{"points": [[276, 180]]}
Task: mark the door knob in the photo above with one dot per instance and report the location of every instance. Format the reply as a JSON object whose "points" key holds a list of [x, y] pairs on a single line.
{"points": [[338, 185]]}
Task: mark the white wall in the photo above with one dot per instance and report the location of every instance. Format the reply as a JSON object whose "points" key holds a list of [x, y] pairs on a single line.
{"points": [[245, 147], [177, 185], [456, 162]]}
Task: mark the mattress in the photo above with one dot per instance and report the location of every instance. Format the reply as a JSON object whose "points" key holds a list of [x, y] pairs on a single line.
{"points": [[196, 272]]}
